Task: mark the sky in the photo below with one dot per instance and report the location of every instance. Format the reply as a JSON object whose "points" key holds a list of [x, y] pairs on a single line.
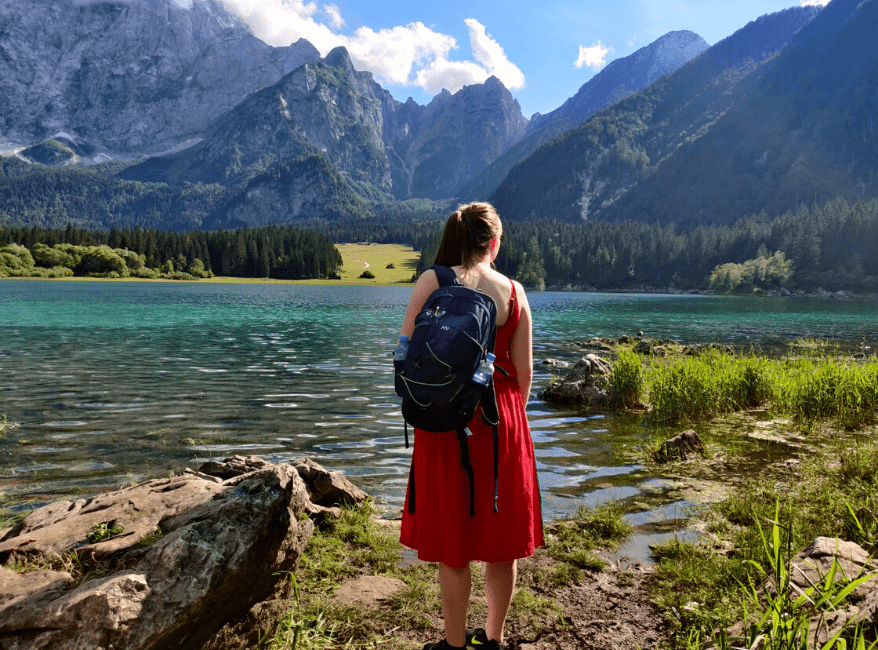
{"points": [[542, 50]]}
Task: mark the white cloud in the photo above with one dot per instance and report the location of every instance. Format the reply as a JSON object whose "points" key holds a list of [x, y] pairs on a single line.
{"points": [[594, 56], [490, 54], [449, 75], [813, 3], [281, 22], [406, 55], [392, 54], [333, 13]]}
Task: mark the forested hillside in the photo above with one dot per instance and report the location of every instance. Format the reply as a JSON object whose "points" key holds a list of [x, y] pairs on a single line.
{"points": [[587, 172]]}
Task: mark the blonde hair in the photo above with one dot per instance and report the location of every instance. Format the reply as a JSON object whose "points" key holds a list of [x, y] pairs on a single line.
{"points": [[468, 233]]}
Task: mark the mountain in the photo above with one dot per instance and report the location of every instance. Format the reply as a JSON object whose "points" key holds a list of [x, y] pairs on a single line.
{"points": [[128, 77], [595, 169], [307, 187], [807, 132], [381, 147], [321, 108], [443, 146], [619, 79]]}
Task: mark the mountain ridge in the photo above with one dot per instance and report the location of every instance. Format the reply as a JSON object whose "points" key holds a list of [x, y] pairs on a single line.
{"points": [[588, 170], [617, 80]]}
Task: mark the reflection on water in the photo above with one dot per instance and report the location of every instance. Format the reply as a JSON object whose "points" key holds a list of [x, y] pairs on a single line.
{"points": [[114, 382]]}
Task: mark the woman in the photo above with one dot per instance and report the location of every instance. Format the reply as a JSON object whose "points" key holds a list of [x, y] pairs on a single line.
{"points": [[441, 529]]}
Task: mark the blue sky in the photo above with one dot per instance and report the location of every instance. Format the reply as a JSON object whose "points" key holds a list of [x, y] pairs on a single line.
{"points": [[543, 50]]}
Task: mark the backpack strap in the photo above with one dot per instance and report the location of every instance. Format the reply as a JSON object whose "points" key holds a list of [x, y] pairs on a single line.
{"points": [[412, 486], [468, 468], [491, 417], [445, 275]]}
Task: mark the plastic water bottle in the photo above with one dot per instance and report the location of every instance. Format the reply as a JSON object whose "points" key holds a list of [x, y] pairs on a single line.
{"points": [[485, 370], [401, 348]]}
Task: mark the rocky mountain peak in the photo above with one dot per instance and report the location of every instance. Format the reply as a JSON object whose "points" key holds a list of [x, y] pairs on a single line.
{"points": [[338, 57], [129, 77]]}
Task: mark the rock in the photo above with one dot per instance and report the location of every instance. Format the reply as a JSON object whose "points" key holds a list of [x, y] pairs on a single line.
{"points": [[325, 487], [555, 363], [587, 384], [812, 566], [815, 562], [698, 348], [223, 547], [368, 590], [597, 343], [15, 586], [234, 466], [680, 445], [643, 347]]}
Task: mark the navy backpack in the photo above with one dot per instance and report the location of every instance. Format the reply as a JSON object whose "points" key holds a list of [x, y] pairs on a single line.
{"points": [[454, 332]]}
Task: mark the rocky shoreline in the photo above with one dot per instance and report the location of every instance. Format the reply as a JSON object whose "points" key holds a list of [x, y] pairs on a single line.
{"points": [[164, 564], [197, 561]]}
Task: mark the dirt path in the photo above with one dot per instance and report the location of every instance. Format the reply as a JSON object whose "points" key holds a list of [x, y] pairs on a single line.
{"points": [[609, 610]]}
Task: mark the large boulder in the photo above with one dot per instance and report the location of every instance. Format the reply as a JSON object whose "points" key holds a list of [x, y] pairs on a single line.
{"points": [[587, 384], [174, 560]]}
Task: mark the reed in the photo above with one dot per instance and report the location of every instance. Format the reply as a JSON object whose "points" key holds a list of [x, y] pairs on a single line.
{"points": [[812, 390], [627, 379], [707, 385]]}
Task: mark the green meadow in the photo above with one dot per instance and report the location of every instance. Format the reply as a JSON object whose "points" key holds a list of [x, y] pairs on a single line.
{"points": [[391, 264]]}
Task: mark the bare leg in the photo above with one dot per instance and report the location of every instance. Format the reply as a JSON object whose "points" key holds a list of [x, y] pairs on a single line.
{"points": [[500, 584], [455, 585]]}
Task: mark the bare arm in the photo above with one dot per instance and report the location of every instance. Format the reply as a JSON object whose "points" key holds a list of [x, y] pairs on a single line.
{"points": [[426, 284], [522, 345]]}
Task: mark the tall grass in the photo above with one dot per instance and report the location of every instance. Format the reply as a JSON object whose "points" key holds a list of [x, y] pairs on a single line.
{"points": [[701, 387], [809, 390], [627, 379]]}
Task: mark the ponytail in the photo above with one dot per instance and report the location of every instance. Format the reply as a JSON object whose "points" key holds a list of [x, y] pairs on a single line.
{"points": [[468, 234]]}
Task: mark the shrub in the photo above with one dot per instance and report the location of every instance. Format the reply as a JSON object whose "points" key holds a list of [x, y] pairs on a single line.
{"points": [[367, 274]]}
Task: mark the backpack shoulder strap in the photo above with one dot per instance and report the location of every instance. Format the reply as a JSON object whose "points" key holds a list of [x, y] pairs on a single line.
{"points": [[445, 275]]}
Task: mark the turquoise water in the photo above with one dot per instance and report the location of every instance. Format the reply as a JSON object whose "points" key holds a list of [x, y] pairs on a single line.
{"points": [[113, 382]]}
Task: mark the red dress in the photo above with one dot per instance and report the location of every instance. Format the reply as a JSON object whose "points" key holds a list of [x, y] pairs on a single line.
{"points": [[441, 529]]}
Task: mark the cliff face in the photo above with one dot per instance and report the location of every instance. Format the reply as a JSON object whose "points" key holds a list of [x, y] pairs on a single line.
{"points": [[449, 142], [128, 78], [380, 146], [191, 90]]}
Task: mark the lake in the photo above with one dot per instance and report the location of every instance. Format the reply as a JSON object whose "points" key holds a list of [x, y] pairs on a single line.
{"points": [[113, 382]]}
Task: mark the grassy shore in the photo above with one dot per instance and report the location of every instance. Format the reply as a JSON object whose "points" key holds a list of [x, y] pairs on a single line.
{"points": [[768, 509]]}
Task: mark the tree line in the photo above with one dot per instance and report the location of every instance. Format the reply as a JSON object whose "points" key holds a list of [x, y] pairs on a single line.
{"points": [[833, 246], [280, 252]]}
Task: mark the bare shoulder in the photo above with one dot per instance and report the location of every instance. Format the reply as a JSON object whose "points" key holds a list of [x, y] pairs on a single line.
{"points": [[500, 285], [426, 284], [520, 294]]}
